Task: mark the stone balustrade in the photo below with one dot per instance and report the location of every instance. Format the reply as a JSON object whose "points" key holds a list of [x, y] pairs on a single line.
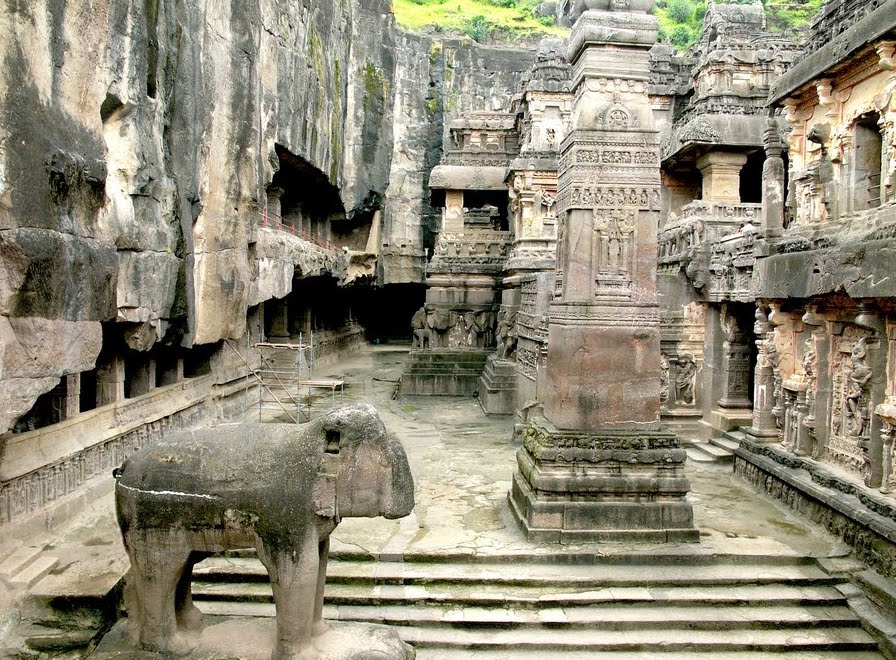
{"points": [[700, 223], [478, 249]]}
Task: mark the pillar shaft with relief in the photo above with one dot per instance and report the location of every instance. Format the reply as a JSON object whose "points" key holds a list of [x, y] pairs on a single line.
{"points": [[598, 465]]}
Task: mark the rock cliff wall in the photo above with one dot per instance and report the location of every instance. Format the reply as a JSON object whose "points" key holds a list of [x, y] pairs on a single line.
{"points": [[137, 139]]}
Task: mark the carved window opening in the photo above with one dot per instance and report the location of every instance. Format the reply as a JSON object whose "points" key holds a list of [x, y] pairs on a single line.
{"points": [[868, 162], [198, 361], [167, 369], [48, 409], [87, 397], [486, 209], [751, 179]]}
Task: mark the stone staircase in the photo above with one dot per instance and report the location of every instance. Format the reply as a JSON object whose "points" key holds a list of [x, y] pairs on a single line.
{"points": [[566, 605], [719, 448]]}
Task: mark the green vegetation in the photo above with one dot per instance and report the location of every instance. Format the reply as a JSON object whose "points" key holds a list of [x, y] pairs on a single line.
{"points": [[487, 21], [681, 21], [481, 20]]}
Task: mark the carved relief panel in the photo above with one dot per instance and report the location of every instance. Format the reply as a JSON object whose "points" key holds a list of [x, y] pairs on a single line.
{"points": [[614, 246], [850, 376]]}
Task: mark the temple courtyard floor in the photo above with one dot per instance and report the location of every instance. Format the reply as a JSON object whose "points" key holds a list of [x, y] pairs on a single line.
{"points": [[463, 462]]}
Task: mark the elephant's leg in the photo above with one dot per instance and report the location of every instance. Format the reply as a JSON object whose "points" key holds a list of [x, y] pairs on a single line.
{"points": [[293, 573], [157, 560], [188, 615], [319, 627]]}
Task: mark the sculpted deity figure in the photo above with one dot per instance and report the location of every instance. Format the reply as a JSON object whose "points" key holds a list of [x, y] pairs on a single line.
{"points": [[684, 380], [506, 335], [858, 381]]}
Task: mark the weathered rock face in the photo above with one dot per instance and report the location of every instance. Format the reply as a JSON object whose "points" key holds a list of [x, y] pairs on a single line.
{"points": [[137, 140], [135, 143], [435, 83]]}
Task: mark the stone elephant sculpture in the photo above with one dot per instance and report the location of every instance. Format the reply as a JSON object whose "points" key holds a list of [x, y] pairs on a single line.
{"points": [[280, 488]]}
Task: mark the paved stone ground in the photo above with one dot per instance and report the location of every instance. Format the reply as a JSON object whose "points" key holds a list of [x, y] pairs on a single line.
{"points": [[462, 462]]}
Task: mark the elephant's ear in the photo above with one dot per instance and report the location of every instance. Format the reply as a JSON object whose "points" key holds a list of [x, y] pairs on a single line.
{"points": [[323, 497]]}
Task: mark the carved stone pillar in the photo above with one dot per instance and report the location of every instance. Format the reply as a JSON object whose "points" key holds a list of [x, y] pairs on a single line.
{"points": [[764, 428], [598, 465], [280, 320], [773, 192], [774, 359], [70, 403], [453, 216], [721, 175], [735, 363], [110, 381], [274, 210]]}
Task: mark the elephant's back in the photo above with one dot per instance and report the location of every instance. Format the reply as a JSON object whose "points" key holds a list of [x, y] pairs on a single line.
{"points": [[221, 460]]}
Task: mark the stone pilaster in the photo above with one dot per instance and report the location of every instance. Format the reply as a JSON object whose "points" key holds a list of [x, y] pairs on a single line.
{"points": [[598, 465], [764, 427]]}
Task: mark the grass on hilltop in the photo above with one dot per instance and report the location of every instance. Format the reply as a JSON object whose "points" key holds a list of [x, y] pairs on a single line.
{"points": [[481, 20], [501, 21]]}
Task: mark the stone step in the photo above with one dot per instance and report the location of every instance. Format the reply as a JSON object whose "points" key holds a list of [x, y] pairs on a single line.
{"points": [[485, 595], [712, 452], [610, 616], [35, 571], [541, 654], [16, 562], [879, 589], [725, 443], [671, 641], [698, 456], [542, 575]]}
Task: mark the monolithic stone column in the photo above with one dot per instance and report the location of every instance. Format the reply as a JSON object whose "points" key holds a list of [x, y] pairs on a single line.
{"points": [[274, 210], [71, 402], [110, 381], [598, 465], [280, 320], [721, 175], [773, 192]]}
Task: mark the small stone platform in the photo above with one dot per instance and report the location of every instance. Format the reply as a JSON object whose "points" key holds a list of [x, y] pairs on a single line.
{"points": [[497, 387], [443, 372]]}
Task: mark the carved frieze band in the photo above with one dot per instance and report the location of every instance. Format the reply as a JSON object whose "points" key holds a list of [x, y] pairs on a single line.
{"points": [[29, 494], [605, 315]]}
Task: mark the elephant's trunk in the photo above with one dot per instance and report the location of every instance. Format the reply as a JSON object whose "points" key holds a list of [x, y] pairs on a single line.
{"points": [[401, 500]]}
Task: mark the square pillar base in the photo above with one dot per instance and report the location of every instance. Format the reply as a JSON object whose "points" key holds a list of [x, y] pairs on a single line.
{"points": [[613, 486]]}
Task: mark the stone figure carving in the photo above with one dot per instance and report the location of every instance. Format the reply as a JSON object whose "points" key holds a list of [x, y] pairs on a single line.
{"points": [[440, 321], [684, 379], [664, 379], [278, 487], [479, 327], [422, 334], [858, 381], [506, 335]]}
